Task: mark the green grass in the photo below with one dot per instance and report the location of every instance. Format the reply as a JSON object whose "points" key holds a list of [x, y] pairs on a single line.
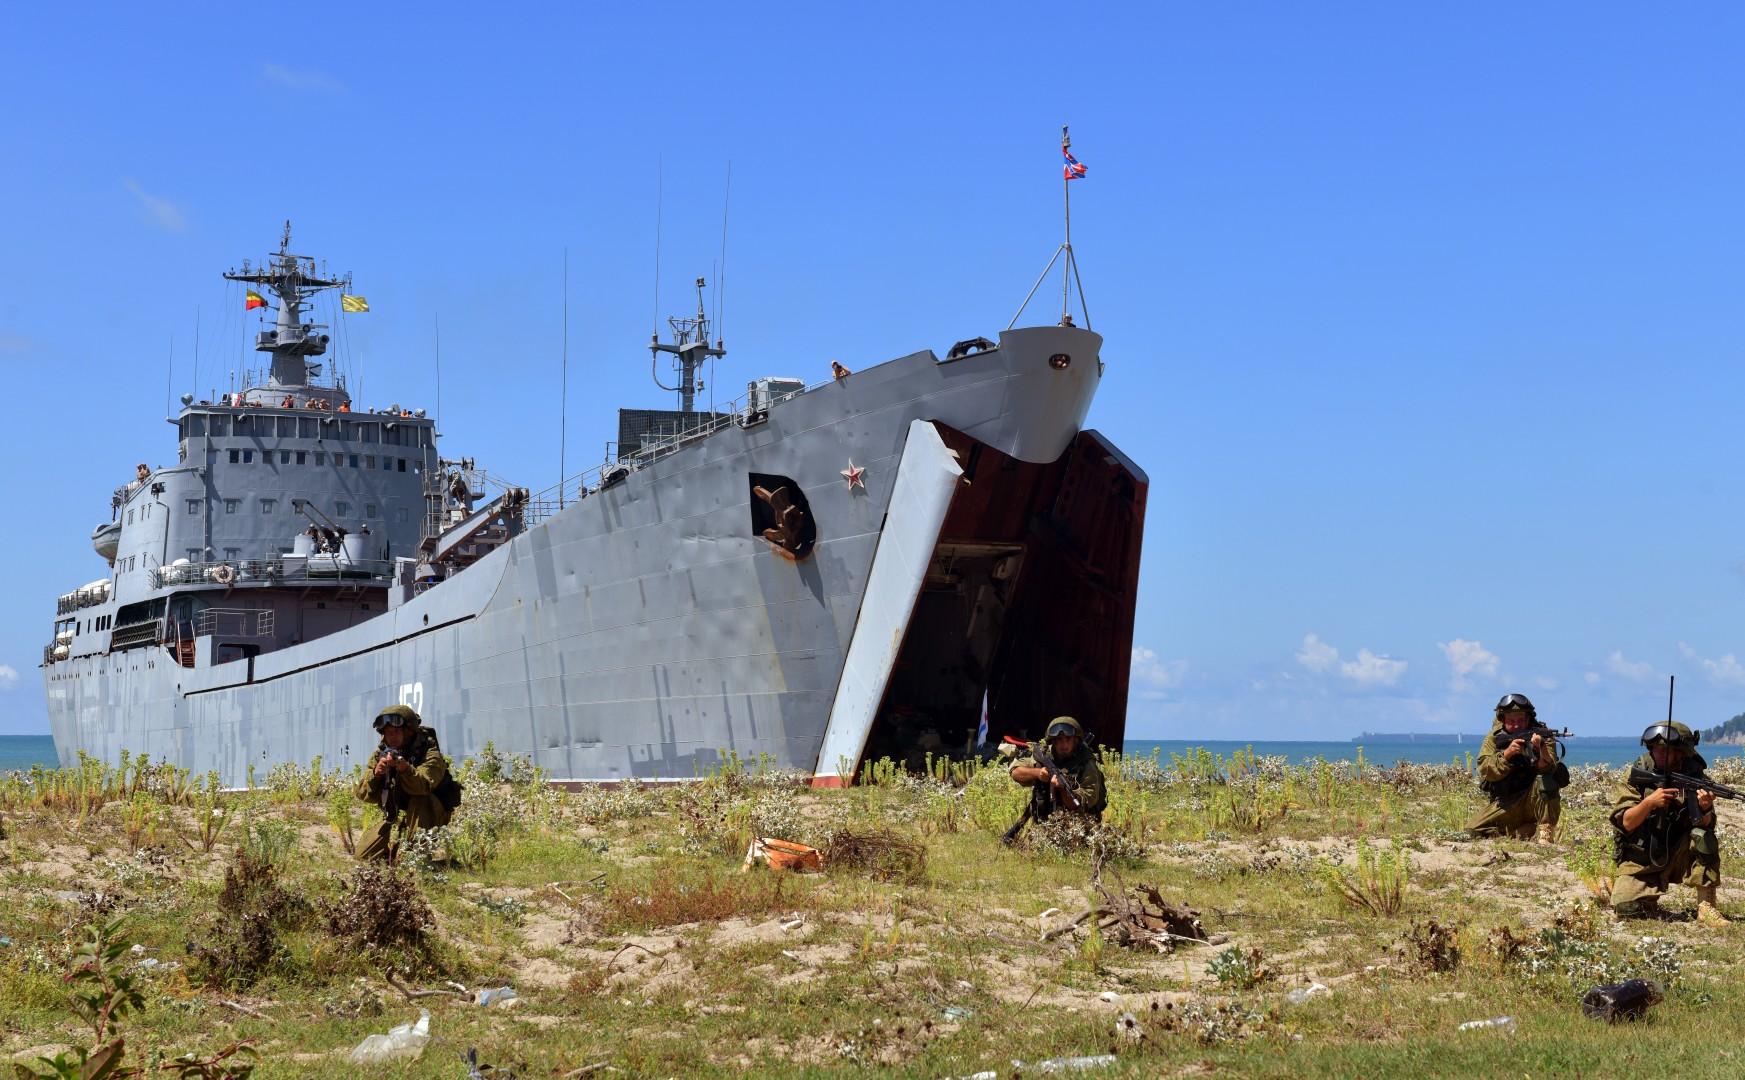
{"points": [[632, 938]]}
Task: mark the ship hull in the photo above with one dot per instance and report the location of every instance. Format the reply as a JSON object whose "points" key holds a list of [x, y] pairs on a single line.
{"points": [[647, 629]]}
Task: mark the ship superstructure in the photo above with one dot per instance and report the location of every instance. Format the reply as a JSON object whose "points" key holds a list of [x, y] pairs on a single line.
{"points": [[821, 572]]}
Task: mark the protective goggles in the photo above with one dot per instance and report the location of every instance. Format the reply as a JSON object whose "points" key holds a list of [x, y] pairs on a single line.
{"points": [[1055, 731], [1514, 702], [1667, 735], [388, 720]]}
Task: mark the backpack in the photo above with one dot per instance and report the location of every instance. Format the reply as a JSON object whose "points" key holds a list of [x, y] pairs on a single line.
{"points": [[448, 791]]}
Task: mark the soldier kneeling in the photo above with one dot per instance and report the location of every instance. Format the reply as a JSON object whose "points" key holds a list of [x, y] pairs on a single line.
{"points": [[408, 778], [1521, 774], [1077, 765], [1656, 837]]}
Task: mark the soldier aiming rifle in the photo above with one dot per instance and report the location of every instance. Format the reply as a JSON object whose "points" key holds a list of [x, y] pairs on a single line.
{"points": [[1065, 776]]}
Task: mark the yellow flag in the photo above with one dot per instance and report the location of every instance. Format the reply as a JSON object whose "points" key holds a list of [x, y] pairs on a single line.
{"points": [[353, 303]]}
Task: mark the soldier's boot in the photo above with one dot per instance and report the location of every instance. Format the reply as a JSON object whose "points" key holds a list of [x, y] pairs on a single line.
{"points": [[1644, 907], [1547, 833], [1708, 909]]}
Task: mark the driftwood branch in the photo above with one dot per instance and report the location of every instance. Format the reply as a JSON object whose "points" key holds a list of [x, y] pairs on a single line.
{"points": [[414, 995]]}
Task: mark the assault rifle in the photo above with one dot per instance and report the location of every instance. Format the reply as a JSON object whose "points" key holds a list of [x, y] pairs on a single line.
{"points": [[1505, 737], [1655, 778], [391, 783], [1043, 793]]}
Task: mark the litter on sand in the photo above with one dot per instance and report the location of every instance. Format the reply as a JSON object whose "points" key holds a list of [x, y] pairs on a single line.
{"points": [[783, 855], [405, 1041]]}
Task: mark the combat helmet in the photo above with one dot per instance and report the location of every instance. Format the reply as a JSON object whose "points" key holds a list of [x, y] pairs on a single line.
{"points": [[396, 716], [1671, 733], [1065, 725], [1516, 703]]}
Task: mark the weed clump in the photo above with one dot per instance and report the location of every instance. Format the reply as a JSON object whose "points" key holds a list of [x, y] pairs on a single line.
{"points": [[881, 855], [1435, 946], [382, 909], [671, 900], [240, 941], [1238, 970]]}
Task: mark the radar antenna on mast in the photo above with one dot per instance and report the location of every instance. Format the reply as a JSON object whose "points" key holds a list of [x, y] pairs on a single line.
{"points": [[691, 345]]}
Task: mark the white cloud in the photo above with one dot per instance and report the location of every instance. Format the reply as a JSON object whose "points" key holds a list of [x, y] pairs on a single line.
{"points": [[1468, 658], [1591, 677], [1546, 682], [1317, 655], [1368, 668], [8, 676], [1151, 676], [1724, 670], [1617, 665], [164, 213], [308, 79]]}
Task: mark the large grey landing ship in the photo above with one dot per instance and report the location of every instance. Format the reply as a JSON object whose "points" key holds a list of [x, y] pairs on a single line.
{"points": [[820, 573]]}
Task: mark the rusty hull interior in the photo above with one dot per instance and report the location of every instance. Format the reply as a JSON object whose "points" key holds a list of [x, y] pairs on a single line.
{"points": [[1030, 596]]}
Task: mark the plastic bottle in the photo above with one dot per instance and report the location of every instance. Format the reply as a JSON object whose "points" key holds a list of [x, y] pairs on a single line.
{"points": [[405, 1041], [1502, 1023]]}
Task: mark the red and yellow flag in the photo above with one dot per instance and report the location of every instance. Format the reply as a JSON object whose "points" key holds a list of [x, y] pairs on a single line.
{"points": [[253, 301]]}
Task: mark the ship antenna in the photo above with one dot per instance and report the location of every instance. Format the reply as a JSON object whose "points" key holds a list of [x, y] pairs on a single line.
{"points": [[721, 280], [659, 198], [564, 395], [1070, 271], [170, 375]]}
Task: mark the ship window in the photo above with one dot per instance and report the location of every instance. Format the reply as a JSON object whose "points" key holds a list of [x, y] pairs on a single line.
{"points": [[221, 425], [196, 426], [353, 461], [342, 509], [193, 506], [345, 430], [233, 553], [284, 456], [230, 505], [369, 461], [366, 433], [235, 456], [306, 426], [300, 458], [320, 457], [130, 517], [287, 427], [267, 505], [193, 554], [369, 510], [248, 457], [402, 464], [242, 424], [401, 514]]}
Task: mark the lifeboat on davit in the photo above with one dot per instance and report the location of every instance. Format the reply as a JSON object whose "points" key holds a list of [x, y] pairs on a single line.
{"points": [[106, 538]]}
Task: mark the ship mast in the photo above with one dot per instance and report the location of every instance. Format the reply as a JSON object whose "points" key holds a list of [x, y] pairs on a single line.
{"points": [[691, 345], [294, 279]]}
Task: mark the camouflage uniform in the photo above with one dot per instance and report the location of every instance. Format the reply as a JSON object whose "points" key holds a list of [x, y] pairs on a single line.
{"points": [[1664, 849], [413, 800], [1521, 797], [1087, 782]]}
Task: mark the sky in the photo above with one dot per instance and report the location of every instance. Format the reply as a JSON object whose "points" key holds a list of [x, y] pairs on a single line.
{"points": [[1423, 323]]}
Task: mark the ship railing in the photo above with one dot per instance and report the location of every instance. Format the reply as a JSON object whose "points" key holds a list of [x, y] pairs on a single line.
{"points": [[287, 569], [235, 622], [748, 410], [84, 598]]}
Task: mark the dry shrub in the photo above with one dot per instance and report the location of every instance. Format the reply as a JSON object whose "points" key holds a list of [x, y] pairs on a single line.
{"points": [[382, 909], [672, 899], [880, 855], [1435, 946], [241, 939]]}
